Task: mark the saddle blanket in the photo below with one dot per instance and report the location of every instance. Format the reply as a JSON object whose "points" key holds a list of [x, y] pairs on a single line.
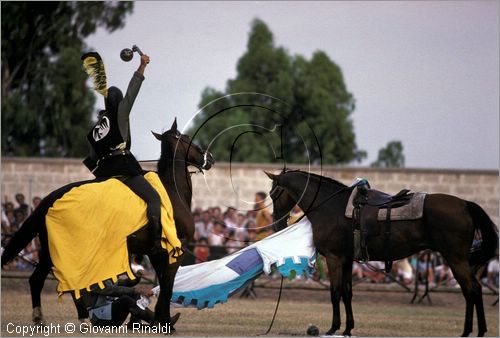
{"points": [[291, 251], [88, 228], [412, 210]]}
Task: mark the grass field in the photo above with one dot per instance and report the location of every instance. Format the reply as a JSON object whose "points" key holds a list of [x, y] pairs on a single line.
{"points": [[378, 314]]}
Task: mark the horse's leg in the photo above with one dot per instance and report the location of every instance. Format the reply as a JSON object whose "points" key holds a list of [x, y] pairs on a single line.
{"points": [[36, 281], [83, 313], [172, 270], [162, 308], [334, 264], [465, 278], [347, 296], [481, 319]]}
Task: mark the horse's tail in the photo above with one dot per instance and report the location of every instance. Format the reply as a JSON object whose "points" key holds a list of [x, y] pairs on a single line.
{"points": [[22, 237], [489, 235]]}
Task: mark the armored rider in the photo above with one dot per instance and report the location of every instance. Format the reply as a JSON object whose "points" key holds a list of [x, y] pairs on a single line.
{"points": [[110, 140]]}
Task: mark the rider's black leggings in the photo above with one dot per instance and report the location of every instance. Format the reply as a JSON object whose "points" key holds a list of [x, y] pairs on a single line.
{"points": [[141, 187]]}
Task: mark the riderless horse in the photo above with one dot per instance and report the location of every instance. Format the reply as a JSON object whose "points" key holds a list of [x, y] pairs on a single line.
{"points": [[177, 154], [448, 225]]}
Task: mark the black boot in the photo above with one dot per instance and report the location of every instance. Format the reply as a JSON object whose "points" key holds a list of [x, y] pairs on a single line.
{"points": [[155, 230], [137, 315]]}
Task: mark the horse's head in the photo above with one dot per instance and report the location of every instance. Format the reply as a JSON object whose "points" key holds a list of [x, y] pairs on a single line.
{"points": [[179, 147], [282, 202]]}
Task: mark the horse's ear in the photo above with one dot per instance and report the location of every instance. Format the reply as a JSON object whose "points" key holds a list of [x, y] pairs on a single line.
{"points": [[271, 176], [158, 136], [174, 125]]}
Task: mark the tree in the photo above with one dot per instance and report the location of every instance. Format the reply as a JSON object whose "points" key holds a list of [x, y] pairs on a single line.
{"points": [[302, 115], [46, 104], [391, 156]]}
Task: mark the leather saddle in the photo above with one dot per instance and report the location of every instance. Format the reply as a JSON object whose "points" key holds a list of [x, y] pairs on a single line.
{"points": [[368, 205], [369, 202], [380, 199]]}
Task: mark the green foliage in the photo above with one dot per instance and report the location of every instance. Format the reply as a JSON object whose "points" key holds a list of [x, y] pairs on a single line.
{"points": [[46, 105], [305, 103], [391, 156]]}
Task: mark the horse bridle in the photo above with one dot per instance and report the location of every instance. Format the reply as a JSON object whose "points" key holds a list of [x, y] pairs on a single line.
{"points": [[190, 144]]}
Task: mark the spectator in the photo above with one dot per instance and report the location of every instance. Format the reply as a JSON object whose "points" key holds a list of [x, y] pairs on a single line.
{"points": [[216, 214], [442, 273], [217, 238], [231, 218], [493, 270], [236, 240], [251, 234], [197, 215], [5, 222], [29, 257], [357, 272], [404, 271], [217, 241], [250, 226], [263, 218], [8, 209], [376, 276], [424, 269], [201, 250], [19, 217], [240, 230], [251, 215], [476, 242], [204, 227], [23, 207], [11, 218], [36, 201]]}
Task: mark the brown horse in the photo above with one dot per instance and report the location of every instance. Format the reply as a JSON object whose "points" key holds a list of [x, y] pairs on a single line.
{"points": [[447, 226], [177, 153]]}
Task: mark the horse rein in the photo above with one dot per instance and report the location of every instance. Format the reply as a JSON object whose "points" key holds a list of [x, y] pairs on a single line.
{"points": [[328, 198], [189, 144]]}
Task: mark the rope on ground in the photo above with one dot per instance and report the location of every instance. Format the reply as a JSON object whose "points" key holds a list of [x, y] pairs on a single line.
{"points": [[275, 310]]}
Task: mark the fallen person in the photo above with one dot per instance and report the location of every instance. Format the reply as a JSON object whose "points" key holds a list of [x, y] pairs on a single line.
{"points": [[111, 306]]}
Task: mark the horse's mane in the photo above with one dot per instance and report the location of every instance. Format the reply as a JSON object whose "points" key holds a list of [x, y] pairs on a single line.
{"points": [[166, 156], [162, 164], [315, 176]]}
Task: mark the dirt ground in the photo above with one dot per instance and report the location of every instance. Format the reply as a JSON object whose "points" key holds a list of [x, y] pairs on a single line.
{"points": [[377, 313]]}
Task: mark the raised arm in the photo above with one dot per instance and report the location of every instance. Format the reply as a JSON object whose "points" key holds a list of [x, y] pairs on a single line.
{"points": [[126, 104]]}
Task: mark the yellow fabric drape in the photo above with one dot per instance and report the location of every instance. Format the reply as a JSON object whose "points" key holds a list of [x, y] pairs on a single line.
{"points": [[88, 228]]}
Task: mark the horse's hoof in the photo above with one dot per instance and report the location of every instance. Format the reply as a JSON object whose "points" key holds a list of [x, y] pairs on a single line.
{"points": [[84, 323], [174, 319], [37, 316], [330, 333]]}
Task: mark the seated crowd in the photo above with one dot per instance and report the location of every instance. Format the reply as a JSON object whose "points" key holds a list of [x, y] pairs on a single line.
{"points": [[13, 216], [219, 233]]}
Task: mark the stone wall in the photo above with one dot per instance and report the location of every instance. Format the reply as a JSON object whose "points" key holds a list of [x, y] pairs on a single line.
{"points": [[235, 185]]}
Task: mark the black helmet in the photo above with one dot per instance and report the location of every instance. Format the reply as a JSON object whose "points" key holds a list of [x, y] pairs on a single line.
{"points": [[113, 99]]}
